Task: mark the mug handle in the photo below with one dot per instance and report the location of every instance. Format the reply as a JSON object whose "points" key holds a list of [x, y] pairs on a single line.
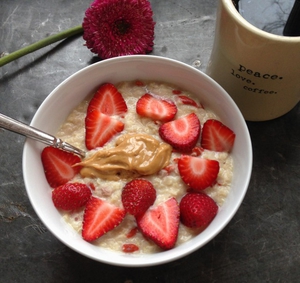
{"points": [[292, 26], [236, 4]]}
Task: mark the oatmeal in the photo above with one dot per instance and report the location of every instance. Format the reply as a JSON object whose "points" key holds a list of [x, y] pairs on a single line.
{"points": [[109, 168]]}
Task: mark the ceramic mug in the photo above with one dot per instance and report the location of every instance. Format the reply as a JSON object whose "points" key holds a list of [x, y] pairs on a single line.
{"points": [[259, 70]]}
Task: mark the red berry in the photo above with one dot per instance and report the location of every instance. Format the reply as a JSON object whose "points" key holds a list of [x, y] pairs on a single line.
{"points": [[161, 223], [99, 218], [71, 196], [182, 134], [58, 166], [137, 196], [156, 108], [108, 100], [198, 173], [197, 210], [100, 128], [216, 136], [99, 125]]}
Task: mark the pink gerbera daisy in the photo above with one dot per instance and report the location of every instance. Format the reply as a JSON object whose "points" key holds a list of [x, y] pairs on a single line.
{"points": [[119, 27]]}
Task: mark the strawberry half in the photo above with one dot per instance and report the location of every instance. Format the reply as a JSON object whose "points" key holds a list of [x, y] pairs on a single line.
{"points": [[137, 196], [99, 218], [100, 128], [58, 166], [156, 108], [161, 223], [71, 196], [182, 134], [198, 173], [108, 100], [197, 210], [216, 136]]}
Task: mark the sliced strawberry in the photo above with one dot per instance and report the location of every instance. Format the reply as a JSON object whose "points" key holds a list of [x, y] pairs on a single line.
{"points": [[137, 196], [197, 210], [182, 134], [216, 136], [58, 166], [160, 224], [71, 196], [188, 101], [100, 128], [156, 108], [108, 100], [198, 173], [99, 218]]}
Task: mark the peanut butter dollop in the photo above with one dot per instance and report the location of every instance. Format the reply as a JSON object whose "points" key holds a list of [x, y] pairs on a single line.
{"points": [[134, 155]]}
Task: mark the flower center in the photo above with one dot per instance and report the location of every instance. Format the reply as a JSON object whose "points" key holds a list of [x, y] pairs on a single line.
{"points": [[122, 26]]}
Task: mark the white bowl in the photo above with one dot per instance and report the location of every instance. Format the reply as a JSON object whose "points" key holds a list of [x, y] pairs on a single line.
{"points": [[73, 90]]}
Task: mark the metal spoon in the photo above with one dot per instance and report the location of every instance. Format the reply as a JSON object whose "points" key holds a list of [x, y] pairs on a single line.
{"points": [[35, 134]]}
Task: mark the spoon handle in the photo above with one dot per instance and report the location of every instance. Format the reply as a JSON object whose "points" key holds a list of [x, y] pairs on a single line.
{"points": [[35, 134]]}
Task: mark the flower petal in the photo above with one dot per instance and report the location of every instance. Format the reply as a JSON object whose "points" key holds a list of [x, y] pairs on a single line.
{"points": [[119, 27]]}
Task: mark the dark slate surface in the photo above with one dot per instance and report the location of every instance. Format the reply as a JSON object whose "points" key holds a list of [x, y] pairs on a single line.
{"points": [[260, 244]]}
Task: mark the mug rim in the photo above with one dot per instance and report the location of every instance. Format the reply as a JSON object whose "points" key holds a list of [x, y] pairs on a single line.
{"points": [[233, 12]]}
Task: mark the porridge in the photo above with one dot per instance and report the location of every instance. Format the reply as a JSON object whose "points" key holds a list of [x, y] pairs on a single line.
{"points": [[108, 168]]}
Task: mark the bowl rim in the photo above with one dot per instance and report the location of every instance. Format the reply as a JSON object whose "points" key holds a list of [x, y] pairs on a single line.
{"points": [[148, 259]]}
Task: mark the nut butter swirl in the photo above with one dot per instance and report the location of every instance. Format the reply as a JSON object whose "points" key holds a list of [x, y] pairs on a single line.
{"points": [[134, 155]]}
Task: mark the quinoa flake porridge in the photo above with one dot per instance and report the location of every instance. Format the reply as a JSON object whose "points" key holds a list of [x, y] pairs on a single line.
{"points": [[167, 181]]}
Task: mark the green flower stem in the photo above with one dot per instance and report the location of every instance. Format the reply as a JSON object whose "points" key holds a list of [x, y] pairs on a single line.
{"points": [[40, 44]]}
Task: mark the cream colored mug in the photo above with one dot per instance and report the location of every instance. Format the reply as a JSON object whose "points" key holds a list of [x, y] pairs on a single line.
{"points": [[259, 70]]}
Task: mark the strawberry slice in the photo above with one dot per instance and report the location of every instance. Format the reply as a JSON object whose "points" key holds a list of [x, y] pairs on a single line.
{"points": [[182, 134], [108, 100], [216, 136], [161, 223], [156, 108], [198, 173], [100, 128], [99, 218], [58, 166]]}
